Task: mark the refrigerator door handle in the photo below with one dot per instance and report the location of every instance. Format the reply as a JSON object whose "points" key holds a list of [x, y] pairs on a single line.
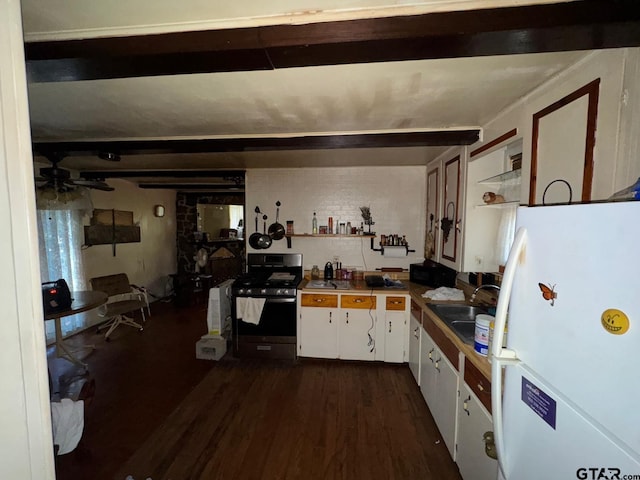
{"points": [[503, 356]]}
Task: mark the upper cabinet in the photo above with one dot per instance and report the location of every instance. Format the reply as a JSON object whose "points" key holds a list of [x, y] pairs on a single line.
{"points": [[445, 179], [562, 148]]}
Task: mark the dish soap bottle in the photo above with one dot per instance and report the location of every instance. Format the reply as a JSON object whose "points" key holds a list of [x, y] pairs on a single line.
{"points": [[314, 224]]}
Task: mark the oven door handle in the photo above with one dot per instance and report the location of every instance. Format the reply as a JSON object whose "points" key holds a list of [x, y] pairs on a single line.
{"points": [[278, 299]]}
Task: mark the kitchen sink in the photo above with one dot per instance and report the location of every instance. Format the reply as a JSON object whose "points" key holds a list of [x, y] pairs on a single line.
{"points": [[330, 284], [461, 319]]}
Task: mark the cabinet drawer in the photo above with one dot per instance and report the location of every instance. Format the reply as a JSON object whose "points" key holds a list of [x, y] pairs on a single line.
{"points": [[358, 301], [319, 300], [444, 344], [477, 383], [416, 311], [396, 303]]}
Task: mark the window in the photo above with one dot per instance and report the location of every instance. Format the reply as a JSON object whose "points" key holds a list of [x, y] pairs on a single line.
{"points": [[60, 239]]}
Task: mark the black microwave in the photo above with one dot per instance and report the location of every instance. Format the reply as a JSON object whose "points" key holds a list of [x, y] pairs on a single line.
{"points": [[432, 274]]}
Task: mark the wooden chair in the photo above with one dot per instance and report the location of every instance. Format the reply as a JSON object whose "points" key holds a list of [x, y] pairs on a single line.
{"points": [[123, 298]]}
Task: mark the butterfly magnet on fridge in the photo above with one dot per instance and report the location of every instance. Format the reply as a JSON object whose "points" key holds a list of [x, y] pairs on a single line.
{"points": [[548, 293]]}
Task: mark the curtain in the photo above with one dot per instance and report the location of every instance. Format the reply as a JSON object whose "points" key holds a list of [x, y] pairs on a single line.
{"points": [[60, 237], [506, 232]]}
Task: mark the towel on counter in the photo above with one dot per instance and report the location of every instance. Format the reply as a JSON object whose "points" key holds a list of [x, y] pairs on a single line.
{"points": [[445, 293], [249, 309]]}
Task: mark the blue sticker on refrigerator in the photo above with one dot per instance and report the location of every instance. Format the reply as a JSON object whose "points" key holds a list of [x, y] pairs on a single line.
{"points": [[539, 402]]}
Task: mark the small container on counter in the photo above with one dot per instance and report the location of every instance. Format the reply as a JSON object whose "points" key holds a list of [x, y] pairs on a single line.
{"points": [[481, 339], [330, 225], [315, 273]]}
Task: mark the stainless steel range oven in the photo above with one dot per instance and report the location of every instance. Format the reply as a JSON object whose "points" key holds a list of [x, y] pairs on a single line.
{"points": [[269, 292]]}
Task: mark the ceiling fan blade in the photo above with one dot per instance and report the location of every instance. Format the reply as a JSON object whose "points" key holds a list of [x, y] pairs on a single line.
{"points": [[95, 184]]}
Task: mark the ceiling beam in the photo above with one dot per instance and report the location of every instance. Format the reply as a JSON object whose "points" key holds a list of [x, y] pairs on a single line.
{"points": [[305, 142], [577, 25]]}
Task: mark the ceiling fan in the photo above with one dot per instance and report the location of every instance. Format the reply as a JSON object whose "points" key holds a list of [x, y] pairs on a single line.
{"points": [[59, 179]]}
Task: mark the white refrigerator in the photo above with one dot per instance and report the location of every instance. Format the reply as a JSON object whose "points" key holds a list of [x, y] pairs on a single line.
{"points": [[570, 407]]}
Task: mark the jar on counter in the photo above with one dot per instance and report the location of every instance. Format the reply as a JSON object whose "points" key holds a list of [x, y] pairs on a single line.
{"points": [[315, 273]]}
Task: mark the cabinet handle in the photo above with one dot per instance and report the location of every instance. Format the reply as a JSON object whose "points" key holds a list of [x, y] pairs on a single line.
{"points": [[458, 227], [319, 300], [330, 316], [358, 300], [482, 389], [490, 445], [430, 354], [389, 327], [415, 332], [437, 224], [437, 363], [465, 404], [347, 317], [395, 302]]}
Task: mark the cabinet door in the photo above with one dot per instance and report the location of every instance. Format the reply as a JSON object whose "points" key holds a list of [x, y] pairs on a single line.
{"points": [[357, 334], [318, 332], [473, 422], [395, 326], [427, 371], [450, 223], [432, 233], [414, 347], [446, 400]]}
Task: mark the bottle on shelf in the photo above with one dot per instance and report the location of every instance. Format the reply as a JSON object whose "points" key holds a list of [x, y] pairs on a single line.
{"points": [[314, 224]]}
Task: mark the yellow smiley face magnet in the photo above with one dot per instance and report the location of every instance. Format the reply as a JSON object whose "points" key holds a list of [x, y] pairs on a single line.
{"points": [[615, 321]]}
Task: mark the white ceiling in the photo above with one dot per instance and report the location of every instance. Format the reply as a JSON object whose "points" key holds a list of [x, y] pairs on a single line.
{"points": [[377, 97]]}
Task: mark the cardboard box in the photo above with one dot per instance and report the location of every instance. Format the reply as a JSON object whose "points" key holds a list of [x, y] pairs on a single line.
{"points": [[211, 347]]}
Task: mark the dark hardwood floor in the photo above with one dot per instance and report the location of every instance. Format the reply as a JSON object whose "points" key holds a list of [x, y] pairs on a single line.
{"points": [[160, 413]]}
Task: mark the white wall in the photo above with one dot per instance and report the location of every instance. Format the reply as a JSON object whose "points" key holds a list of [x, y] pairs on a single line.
{"points": [[396, 196], [153, 259], [616, 160]]}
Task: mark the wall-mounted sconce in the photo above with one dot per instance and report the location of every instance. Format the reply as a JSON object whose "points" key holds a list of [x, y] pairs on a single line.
{"points": [[158, 211]]}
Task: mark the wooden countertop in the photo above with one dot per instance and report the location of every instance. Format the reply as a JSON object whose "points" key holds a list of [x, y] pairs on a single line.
{"points": [[479, 361], [359, 286]]}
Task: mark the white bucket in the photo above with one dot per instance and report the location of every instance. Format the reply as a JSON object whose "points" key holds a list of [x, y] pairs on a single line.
{"points": [[481, 340]]}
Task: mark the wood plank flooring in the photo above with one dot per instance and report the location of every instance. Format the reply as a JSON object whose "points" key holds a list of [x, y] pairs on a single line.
{"points": [[249, 419]]}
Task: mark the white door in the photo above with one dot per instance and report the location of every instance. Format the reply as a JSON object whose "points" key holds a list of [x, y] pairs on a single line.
{"points": [[25, 437], [446, 393]]}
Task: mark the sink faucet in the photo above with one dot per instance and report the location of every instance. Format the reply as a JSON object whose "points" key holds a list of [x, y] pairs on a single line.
{"points": [[488, 285]]}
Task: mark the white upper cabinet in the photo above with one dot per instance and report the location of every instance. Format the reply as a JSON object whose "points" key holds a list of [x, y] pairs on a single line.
{"points": [[445, 178]]}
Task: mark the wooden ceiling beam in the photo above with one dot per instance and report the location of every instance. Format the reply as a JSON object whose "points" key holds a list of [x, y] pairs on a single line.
{"points": [[315, 142], [577, 25]]}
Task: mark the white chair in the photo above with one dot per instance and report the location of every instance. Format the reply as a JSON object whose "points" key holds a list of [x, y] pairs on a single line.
{"points": [[123, 298]]}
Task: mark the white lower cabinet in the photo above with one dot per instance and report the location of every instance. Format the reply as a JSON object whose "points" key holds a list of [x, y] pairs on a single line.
{"points": [[395, 328], [439, 387], [318, 320], [473, 422], [356, 339], [415, 327], [353, 327], [459, 405]]}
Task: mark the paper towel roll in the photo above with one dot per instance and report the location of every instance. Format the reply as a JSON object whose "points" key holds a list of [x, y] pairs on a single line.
{"points": [[395, 251]]}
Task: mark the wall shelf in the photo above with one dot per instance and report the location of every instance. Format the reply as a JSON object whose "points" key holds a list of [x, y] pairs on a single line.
{"points": [[326, 235], [502, 177], [499, 205]]}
